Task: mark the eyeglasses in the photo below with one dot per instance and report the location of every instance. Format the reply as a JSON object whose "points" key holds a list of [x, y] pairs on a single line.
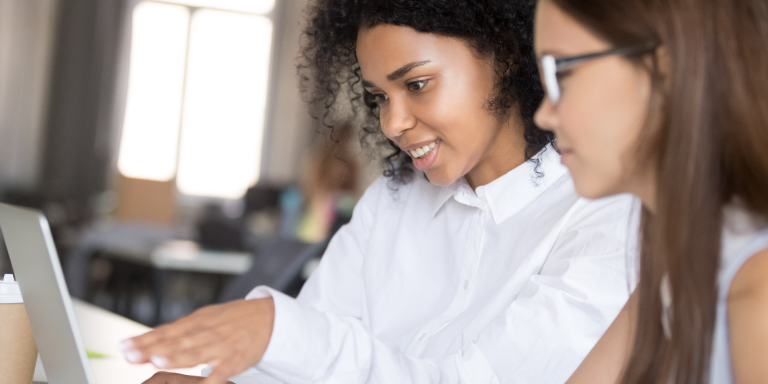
{"points": [[551, 66]]}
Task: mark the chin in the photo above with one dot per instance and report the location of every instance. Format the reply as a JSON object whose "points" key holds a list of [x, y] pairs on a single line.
{"points": [[440, 179], [592, 189]]}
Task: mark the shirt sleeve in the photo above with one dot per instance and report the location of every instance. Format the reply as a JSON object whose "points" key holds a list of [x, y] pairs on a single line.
{"points": [[553, 323], [335, 286]]}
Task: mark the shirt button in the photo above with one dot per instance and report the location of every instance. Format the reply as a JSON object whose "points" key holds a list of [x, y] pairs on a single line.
{"points": [[466, 284]]}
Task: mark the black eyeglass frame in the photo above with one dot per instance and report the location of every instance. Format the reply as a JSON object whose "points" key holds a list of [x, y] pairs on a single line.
{"points": [[551, 65]]}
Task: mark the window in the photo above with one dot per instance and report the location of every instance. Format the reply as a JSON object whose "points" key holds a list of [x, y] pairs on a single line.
{"points": [[197, 92]]}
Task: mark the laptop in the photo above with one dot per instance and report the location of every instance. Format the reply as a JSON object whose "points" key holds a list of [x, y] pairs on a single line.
{"points": [[46, 298], [52, 314]]}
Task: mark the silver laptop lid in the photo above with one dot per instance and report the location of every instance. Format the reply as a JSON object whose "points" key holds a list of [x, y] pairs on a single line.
{"points": [[46, 298]]}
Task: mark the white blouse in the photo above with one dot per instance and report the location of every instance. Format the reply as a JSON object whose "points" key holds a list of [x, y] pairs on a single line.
{"points": [[743, 236], [514, 282]]}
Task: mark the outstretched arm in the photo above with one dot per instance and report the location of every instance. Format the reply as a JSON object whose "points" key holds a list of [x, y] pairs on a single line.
{"points": [[553, 322], [234, 336]]}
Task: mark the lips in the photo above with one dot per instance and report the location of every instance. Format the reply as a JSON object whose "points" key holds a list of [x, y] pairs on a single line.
{"points": [[425, 155], [565, 154], [421, 152]]}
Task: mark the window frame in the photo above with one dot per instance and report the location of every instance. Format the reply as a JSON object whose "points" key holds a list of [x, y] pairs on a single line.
{"points": [[184, 200]]}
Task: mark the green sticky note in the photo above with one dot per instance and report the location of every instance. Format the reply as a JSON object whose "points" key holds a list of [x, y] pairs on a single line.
{"points": [[95, 355]]}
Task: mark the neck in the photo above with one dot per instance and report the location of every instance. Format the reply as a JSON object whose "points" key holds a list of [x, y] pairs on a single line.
{"points": [[505, 153], [646, 191]]}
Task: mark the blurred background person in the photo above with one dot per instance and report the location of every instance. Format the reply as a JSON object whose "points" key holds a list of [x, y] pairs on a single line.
{"points": [[328, 185]]}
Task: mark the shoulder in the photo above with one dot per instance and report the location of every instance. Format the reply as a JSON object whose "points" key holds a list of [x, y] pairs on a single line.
{"points": [[748, 320], [750, 283], [602, 227], [623, 209]]}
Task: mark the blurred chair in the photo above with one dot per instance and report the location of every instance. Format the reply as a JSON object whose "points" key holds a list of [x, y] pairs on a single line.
{"points": [[279, 264]]}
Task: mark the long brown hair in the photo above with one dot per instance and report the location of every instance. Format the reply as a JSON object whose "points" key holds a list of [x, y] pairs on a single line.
{"points": [[707, 147]]}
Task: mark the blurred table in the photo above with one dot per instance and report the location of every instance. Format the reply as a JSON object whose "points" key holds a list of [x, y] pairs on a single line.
{"points": [[181, 255], [101, 331], [164, 250], [185, 255]]}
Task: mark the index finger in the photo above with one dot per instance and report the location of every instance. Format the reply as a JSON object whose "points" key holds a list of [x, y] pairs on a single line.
{"points": [[134, 348], [167, 331]]}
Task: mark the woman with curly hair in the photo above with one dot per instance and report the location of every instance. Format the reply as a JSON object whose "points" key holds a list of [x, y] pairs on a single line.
{"points": [[488, 269]]}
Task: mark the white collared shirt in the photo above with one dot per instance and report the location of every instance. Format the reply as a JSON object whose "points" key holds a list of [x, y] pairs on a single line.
{"points": [[513, 283]]}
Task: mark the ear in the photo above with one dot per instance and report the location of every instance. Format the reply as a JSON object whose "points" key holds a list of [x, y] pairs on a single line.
{"points": [[661, 66]]}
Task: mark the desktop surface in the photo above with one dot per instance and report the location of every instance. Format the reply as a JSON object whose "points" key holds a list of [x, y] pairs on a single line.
{"points": [[101, 330]]}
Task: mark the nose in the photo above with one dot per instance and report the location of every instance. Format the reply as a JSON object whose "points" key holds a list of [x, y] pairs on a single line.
{"points": [[546, 116], [396, 118]]}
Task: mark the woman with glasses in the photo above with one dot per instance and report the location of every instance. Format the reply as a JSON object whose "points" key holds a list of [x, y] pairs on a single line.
{"points": [[472, 260], [668, 100]]}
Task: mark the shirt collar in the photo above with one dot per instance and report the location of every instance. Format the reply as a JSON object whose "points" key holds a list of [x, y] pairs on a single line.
{"points": [[447, 192], [514, 190]]}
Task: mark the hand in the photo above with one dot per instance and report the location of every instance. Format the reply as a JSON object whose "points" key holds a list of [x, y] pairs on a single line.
{"points": [[174, 378], [229, 337]]}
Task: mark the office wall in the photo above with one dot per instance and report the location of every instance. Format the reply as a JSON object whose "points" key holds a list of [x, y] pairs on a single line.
{"points": [[26, 41], [290, 129], [79, 130]]}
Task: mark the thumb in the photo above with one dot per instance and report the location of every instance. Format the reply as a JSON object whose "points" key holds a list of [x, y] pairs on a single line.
{"points": [[217, 376]]}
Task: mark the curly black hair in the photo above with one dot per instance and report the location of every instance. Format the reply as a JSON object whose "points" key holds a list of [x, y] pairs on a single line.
{"points": [[500, 29]]}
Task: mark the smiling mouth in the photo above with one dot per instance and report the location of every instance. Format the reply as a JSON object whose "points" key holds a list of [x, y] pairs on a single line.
{"points": [[420, 153]]}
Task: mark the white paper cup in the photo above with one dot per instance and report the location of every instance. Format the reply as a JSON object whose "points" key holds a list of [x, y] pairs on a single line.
{"points": [[18, 351]]}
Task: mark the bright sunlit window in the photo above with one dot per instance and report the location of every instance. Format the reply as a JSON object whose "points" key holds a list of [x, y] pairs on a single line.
{"points": [[247, 6], [156, 80], [197, 94]]}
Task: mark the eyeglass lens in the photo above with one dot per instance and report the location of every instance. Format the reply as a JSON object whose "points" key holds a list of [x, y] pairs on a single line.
{"points": [[549, 67]]}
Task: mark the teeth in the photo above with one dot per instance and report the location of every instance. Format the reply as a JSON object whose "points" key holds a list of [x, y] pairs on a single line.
{"points": [[420, 152]]}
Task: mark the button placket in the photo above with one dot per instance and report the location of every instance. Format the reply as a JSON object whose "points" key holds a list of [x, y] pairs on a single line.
{"points": [[477, 249], [461, 301]]}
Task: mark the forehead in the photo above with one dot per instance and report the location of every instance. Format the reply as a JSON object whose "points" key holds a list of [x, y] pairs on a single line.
{"points": [[385, 48], [558, 33]]}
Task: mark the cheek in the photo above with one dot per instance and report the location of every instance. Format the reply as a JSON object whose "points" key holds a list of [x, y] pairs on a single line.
{"points": [[593, 164], [455, 111], [602, 126]]}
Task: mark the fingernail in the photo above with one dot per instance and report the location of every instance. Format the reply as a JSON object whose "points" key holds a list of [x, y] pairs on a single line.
{"points": [[159, 361], [125, 345], [133, 356]]}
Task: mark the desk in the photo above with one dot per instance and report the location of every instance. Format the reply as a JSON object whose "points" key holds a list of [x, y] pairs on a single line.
{"points": [[156, 246], [184, 255], [101, 331], [153, 246]]}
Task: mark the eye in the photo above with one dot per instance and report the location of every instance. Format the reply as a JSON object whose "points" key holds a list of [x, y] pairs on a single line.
{"points": [[564, 73], [380, 97], [417, 85]]}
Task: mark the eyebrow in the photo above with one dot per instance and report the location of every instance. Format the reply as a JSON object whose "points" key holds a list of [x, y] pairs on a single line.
{"points": [[398, 73]]}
